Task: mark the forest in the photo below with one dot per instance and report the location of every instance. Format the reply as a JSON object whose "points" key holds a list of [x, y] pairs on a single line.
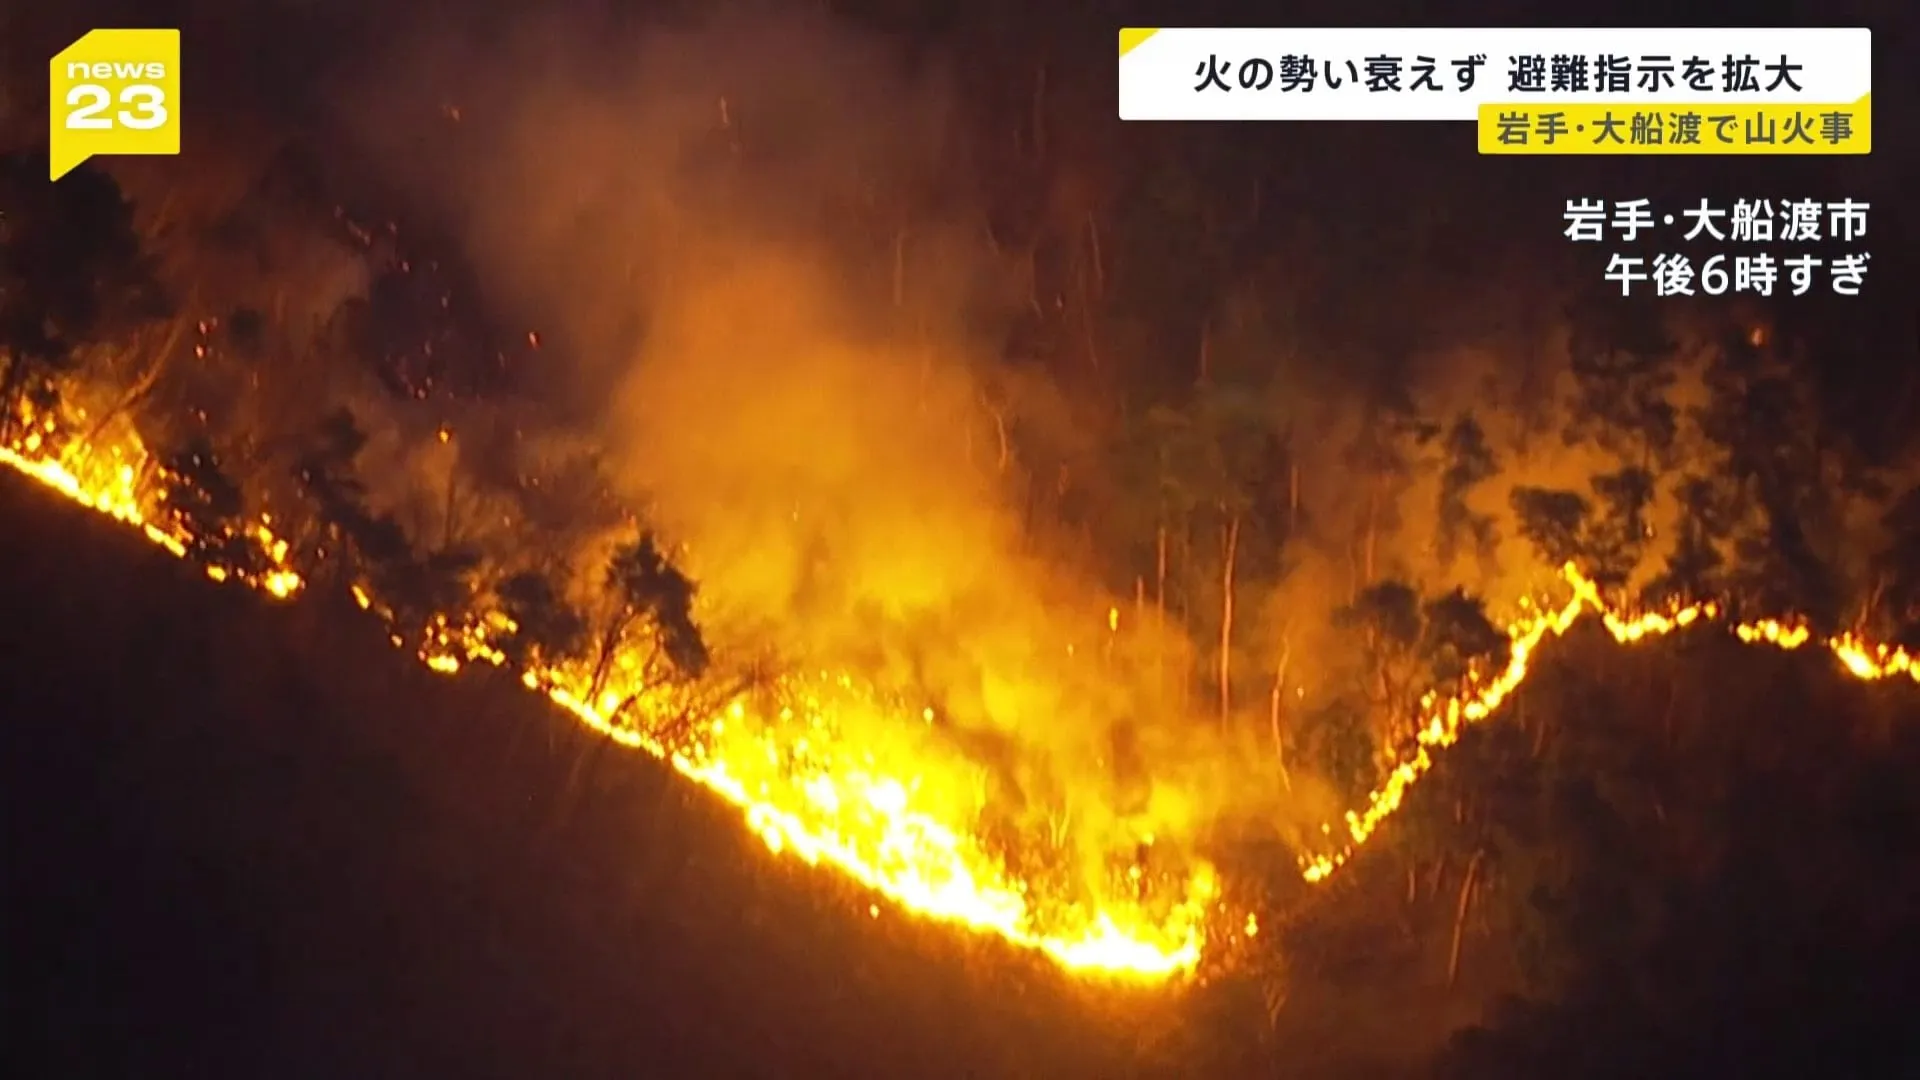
{"points": [[1133, 489]]}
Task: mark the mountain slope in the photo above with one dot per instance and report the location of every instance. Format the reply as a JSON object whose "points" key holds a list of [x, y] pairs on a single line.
{"points": [[245, 840]]}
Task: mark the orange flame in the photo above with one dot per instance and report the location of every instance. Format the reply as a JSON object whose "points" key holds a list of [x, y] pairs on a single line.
{"points": [[800, 789], [1443, 719], [804, 792]]}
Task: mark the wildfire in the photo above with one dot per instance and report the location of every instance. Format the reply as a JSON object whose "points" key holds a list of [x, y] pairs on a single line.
{"points": [[1444, 718], [809, 791], [803, 789], [117, 481]]}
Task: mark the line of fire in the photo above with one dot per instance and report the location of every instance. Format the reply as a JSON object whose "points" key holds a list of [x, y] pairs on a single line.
{"points": [[1260, 577]]}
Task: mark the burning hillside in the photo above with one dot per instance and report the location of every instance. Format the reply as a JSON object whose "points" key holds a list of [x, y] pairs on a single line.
{"points": [[787, 752], [972, 510], [781, 752]]}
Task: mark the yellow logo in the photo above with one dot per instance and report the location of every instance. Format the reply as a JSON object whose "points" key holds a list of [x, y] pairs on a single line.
{"points": [[114, 92]]}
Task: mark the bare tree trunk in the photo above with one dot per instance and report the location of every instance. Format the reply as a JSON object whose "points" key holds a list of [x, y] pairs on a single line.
{"points": [[1274, 706], [148, 379], [1293, 499], [1000, 434], [1226, 617], [11, 386], [1206, 349], [1467, 886], [1160, 605], [1182, 549], [1373, 531], [1160, 569], [1088, 339], [603, 665], [1872, 604]]}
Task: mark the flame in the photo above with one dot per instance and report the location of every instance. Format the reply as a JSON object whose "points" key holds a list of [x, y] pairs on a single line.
{"points": [[808, 792], [802, 789], [1444, 718]]}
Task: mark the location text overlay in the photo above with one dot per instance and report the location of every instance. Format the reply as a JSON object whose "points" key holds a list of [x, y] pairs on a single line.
{"points": [[1756, 246], [1529, 91]]}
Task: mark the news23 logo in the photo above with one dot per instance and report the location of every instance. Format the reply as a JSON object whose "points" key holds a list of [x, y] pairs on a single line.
{"points": [[114, 92]]}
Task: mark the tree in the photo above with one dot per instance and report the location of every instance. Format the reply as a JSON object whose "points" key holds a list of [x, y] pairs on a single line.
{"points": [[1387, 618], [546, 628], [1899, 566], [1694, 567], [1660, 878], [1384, 457], [649, 591], [415, 586], [71, 272], [1469, 463], [566, 498], [1234, 455], [1211, 465], [1618, 535], [205, 505], [1624, 365], [1335, 737], [325, 472], [326, 469], [420, 587], [1457, 636], [1554, 521], [1409, 646], [1783, 479]]}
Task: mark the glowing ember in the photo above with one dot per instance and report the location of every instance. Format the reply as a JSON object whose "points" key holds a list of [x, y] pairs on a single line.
{"points": [[1444, 718], [797, 793], [807, 790]]}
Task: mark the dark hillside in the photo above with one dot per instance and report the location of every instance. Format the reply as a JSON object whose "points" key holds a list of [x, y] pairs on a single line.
{"points": [[250, 841], [1705, 860]]}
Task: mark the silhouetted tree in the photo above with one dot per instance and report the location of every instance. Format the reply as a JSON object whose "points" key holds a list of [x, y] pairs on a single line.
{"points": [[1899, 567], [1387, 619], [420, 587], [1624, 365], [1618, 534], [546, 627], [205, 504], [1694, 567], [1457, 635], [71, 272], [1384, 457], [1553, 521], [1777, 478], [1470, 462], [647, 589]]}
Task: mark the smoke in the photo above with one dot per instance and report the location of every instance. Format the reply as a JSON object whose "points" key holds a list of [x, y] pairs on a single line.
{"points": [[779, 312], [792, 389]]}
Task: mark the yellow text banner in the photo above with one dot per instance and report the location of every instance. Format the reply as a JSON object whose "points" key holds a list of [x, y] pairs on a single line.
{"points": [[1699, 128]]}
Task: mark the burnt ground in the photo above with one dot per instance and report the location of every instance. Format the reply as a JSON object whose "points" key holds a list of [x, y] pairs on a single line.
{"points": [[248, 840]]}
